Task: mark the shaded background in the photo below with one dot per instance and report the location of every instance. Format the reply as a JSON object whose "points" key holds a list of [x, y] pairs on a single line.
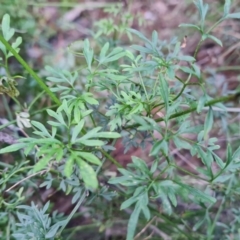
{"points": [[49, 28]]}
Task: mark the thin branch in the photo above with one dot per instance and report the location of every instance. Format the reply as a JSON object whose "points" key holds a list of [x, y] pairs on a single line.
{"points": [[145, 228], [29, 70], [24, 179], [192, 109], [108, 156]]}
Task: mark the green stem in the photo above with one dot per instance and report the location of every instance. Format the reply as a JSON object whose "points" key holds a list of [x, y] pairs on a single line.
{"points": [[17, 102], [207, 32], [91, 116], [29, 70], [179, 79], [111, 158], [73, 230], [183, 88], [228, 68], [142, 83], [170, 222], [208, 104], [197, 48], [189, 173], [43, 109], [72, 213], [8, 235], [23, 169], [7, 124], [6, 106], [192, 109], [210, 234], [214, 25], [34, 100]]}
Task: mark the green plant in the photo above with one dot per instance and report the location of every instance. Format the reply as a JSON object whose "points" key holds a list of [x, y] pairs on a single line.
{"points": [[119, 93]]}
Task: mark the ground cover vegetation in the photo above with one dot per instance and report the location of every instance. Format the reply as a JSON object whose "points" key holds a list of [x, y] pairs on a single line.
{"points": [[120, 134]]}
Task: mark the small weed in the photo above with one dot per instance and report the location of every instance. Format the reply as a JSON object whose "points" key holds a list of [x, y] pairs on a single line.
{"points": [[137, 94]]}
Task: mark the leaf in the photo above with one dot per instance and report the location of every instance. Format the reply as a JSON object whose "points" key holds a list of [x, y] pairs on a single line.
{"points": [[76, 114], [197, 70], [132, 224], [146, 212], [236, 154], [119, 180], [64, 107], [130, 55], [115, 57], [166, 204], [28, 149], [209, 161], [159, 146], [198, 194], [128, 202], [89, 157], [186, 58], [6, 30], [140, 35], [87, 112], [46, 141], [54, 124], [218, 160], [77, 195], [42, 128], [229, 155], [17, 42], [90, 143], [143, 199], [154, 166], [88, 174], [226, 7], [90, 134], [208, 122], [59, 154], [46, 206], [88, 53], [218, 41], [199, 224], [142, 49], [187, 70], [68, 168], [222, 178], [234, 15], [181, 144], [171, 72], [164, 90], [189, 25], [141, 165], [56, 80], [13, 148], [53, 230], [172, 197], [202, 8], [103, 52], [154, 38], [91, 100], [15, 46], [42, 163], [142, 122], [201, 102], [108, 135], [76, 130], [57, 116]]}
